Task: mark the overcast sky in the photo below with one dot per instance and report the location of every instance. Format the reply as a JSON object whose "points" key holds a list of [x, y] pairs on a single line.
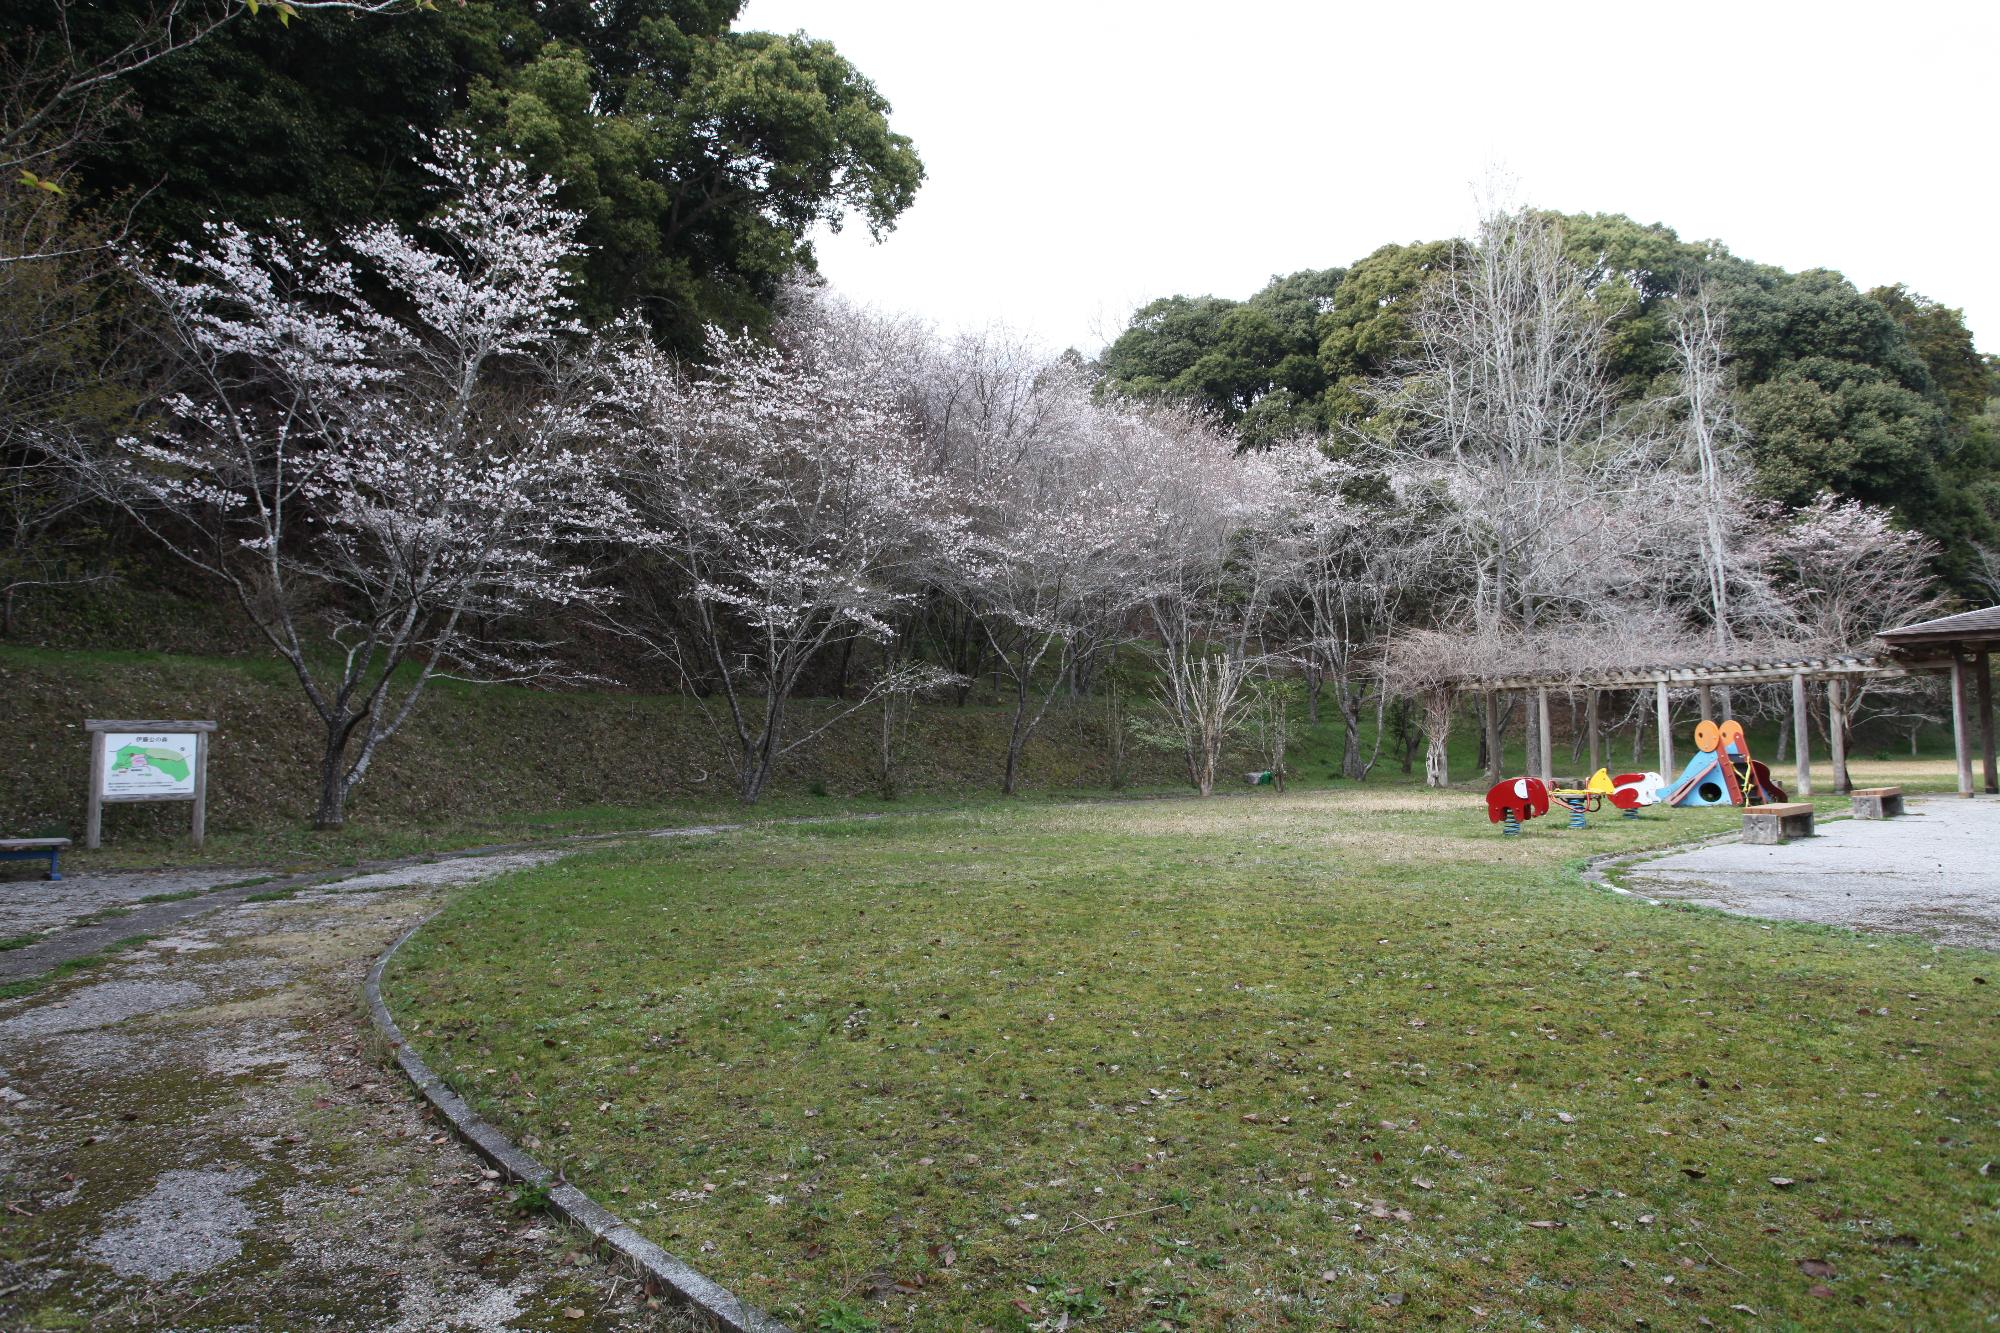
{"points": [[1085, 157]]}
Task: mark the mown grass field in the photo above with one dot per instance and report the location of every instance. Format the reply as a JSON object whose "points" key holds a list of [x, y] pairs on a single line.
{"points": [[1309, 1061]]}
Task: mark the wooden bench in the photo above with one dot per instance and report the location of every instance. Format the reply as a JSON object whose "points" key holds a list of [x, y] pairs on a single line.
{"points": [[1771, 824], [34, 849], [1877, 802]]}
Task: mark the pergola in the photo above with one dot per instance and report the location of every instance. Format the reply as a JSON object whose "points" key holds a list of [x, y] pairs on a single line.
{"points": [[1960, 646]]}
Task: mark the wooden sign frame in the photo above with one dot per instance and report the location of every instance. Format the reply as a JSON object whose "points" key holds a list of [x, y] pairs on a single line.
{"points": [[97, 727]]}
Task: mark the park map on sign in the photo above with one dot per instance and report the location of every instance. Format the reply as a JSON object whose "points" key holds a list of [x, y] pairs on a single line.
{"points": [[140, 766], [138, 758]]}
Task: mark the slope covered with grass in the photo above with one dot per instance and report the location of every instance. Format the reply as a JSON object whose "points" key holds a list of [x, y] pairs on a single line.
{"points": [[480, 762]]}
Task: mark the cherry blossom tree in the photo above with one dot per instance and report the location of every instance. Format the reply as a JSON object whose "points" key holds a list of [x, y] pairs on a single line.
{"points": [[1359, 554], [781, 504], [1211, 574], [379, 447], [1048, 566], [1847, 571]]}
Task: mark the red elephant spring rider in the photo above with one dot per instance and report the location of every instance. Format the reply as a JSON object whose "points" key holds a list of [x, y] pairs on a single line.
{"points": [[1514, 800], [1632, 791]]}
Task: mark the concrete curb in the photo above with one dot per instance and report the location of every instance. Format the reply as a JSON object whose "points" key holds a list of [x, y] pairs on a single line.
{"points": [[661, 1272]]}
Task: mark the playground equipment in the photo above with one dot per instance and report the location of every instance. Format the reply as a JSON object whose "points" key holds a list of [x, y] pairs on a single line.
{"points": [[1516, 799], [1631, 792], [1723, 772], [1590, 796]]}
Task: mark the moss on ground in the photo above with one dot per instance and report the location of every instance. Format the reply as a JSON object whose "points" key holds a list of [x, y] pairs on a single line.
{"points": [[1287, 1062]]}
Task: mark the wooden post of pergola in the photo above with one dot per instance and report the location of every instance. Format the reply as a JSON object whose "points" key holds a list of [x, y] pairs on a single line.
{"points": [[1591, 722], [1960, 732], [1836, 729], [1707, 702], [1801, 735], [1493, 738], [1666, 719], [1546, 748], [1991, 771]]}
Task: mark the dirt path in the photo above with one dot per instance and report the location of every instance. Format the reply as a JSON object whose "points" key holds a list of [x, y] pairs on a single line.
{"points": [[201, 1133]]}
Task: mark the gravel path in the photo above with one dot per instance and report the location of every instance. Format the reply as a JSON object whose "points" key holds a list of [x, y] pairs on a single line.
{"points": [[201, 1133], [1935, 872]]}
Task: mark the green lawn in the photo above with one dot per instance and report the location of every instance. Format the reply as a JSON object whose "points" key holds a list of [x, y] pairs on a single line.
{"points": [[1308, 1061]]}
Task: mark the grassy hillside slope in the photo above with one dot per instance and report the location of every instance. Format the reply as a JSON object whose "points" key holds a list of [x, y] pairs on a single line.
{"points": [[475, 757]]}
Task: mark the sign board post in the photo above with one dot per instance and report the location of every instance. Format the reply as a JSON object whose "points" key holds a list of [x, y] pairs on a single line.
{"points": [[147, 761]]}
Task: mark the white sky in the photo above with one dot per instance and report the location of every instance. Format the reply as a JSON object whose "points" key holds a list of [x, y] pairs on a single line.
{"points": [[1085, 157]]}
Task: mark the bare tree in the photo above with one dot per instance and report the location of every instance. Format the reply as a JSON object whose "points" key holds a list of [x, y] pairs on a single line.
{"points": [[1703, 439], [1357, 556], [1506, 409], [1434, 668], [1847, 571], [1049, 566], [378, 487]]}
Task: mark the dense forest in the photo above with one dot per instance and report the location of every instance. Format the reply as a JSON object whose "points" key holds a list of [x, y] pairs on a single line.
{"points": [[1877, 396]]}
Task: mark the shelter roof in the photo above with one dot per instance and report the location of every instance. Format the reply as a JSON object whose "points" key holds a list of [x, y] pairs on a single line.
{"points": [[1969, 627]]}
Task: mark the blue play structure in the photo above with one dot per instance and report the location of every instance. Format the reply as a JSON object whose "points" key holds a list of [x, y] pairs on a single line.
{"points": [[1722, 772]]}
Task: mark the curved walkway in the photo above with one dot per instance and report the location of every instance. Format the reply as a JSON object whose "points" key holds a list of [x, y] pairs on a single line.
{"points": [[198, 1131]]}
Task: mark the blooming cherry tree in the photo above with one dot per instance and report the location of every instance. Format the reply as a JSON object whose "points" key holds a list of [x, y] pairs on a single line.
{"points": [[781, 508], [1211, 574], [1049, 563], [378, 448]]}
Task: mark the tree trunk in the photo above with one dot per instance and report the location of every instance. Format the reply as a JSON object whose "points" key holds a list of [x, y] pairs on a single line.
{"points": [[760, 757], [1347, 699], [1017, 737], [888, 774], [1435, 772], [332, 812], [1115, 734], [846, 660]]}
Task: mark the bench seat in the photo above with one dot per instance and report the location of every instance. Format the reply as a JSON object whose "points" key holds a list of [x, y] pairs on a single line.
{"points": [[1772, 824], [1877, 802], [35, 849]]}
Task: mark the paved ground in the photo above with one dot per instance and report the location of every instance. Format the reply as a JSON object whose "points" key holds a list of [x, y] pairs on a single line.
{"points": [[1935, 872], [201, 1133], [30, 905]]}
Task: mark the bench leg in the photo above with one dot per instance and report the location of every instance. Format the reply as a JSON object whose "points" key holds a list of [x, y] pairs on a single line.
{"points": [[55, 871]]}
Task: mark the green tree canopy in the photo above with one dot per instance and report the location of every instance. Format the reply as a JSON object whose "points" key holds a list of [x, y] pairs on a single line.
{"points": [[701, 157], [1253, 362], [1879, 396]]}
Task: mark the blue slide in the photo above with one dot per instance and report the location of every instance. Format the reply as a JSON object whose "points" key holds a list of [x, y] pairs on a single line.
{"points": [[1704, 780]]}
